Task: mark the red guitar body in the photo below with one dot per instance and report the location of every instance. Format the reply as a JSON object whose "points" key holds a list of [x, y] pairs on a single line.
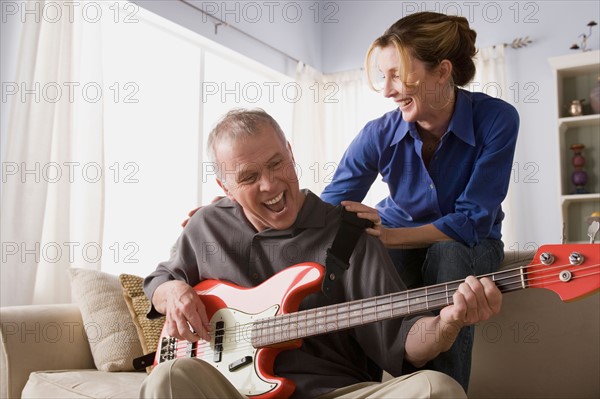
{"points": [[279, 295]]}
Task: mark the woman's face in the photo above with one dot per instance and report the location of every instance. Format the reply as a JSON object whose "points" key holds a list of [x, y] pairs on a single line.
{"points": [[422, 95]]}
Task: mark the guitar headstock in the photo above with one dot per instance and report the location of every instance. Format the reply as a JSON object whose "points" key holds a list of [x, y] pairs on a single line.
{"points": [[570, 270]]}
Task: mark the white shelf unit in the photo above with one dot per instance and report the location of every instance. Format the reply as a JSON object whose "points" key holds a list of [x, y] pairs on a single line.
{"points": [[575, 75]]}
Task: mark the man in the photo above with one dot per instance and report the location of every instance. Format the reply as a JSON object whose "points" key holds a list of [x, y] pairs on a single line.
{"points": [[265, 224]]}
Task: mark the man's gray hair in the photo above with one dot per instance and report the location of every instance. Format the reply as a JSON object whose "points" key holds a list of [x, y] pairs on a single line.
{"points": [[239, 124]]}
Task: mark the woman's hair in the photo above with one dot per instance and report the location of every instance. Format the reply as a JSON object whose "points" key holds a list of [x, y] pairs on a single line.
{"points": [[429, 37], [240, 124]]}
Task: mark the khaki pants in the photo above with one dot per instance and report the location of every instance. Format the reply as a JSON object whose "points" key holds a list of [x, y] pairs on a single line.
{"points": [[192, 378]]}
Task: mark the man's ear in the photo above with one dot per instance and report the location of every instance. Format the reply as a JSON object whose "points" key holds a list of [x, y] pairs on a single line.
{"points": [[289, 146], [224, 187]]}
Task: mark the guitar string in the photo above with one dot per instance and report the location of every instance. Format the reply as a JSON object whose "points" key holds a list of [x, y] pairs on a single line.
{"points": [[547, 271], [241, 347], [204, 350], [314, 315], [375, 307], [518, 283]]}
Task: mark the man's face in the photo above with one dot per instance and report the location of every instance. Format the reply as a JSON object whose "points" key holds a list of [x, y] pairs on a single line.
{"points": [[259, 174]]}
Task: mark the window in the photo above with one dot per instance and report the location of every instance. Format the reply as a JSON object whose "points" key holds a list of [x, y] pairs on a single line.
{"points": [[230, 82], [165, 87]]}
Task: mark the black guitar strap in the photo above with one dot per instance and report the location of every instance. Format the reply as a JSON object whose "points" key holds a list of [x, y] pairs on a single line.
{"points": [[144, 361], [338, 256]]}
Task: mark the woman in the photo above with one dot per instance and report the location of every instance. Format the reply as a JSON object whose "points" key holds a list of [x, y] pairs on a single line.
{"points": [[446, 155]]}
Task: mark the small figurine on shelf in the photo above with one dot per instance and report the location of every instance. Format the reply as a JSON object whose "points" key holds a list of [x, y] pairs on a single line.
{"points": [[594, 217], [579, 177], [576, 107], [584, 38], [593, 222]]}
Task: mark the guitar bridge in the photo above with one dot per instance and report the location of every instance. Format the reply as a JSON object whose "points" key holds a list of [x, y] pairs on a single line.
{"points": [[168, 349]]}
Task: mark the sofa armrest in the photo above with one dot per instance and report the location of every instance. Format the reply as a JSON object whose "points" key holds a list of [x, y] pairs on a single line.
{"points": [[40, 337], [537, 346]]}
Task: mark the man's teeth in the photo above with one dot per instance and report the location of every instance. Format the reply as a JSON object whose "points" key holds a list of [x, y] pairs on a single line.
{"points": [[405, 101], [275, 200]]}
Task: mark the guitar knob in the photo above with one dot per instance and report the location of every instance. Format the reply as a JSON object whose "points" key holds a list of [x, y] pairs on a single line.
{"points": [[576, 258], [546, 258], [565, 276]]}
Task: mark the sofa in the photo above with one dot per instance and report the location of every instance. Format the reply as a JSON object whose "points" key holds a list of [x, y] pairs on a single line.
{"points": [[537, 347]]}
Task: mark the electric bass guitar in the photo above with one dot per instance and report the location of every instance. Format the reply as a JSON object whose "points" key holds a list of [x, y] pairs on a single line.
{"points": [[252, 325]]}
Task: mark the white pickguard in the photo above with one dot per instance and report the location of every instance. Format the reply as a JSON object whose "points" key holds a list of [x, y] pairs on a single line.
{"points": [[237, 345]]}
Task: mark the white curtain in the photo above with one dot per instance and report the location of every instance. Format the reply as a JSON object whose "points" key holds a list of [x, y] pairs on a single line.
{"points": [[52, 199], [333, 109], [308, 134], [490, 78]]}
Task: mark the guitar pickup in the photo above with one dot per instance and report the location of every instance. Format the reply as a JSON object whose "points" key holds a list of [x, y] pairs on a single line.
{"points": [[190, 350], [240, 363], [219, 332]]}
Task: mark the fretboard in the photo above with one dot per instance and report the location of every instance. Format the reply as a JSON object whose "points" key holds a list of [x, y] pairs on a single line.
{"points": [[327, 319]]}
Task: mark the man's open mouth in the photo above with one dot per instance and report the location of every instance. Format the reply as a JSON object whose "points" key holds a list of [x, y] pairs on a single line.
{"points": [[276, 204]]}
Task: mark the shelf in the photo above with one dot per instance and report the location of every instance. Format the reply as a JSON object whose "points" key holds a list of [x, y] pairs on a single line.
{"points": [[577, 63], [584, 130], [579, 121], [575, 75], [575, 214], [580, 197]]}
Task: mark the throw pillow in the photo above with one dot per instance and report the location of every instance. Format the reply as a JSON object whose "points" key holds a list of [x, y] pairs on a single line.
{"points": [[110, 330], [138, 304]]}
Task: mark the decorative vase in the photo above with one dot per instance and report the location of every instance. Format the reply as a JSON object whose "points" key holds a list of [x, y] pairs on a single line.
{"points": [[579, 176], [595, 98], [576, 107]]}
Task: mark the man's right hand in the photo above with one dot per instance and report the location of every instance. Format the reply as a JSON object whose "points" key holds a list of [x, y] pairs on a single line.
{"points": [[185, 313]]}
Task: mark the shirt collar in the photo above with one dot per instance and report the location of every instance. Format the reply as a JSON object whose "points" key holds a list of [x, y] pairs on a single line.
{"points": [[461, 123]]}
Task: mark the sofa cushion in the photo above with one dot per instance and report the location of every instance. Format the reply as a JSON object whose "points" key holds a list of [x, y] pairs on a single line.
{"points": [[138, 305], [111, 333], [83, 384]]}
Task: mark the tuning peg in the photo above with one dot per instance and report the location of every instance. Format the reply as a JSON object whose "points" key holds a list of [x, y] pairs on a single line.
{"points": [[576, 258], [546, 258]]}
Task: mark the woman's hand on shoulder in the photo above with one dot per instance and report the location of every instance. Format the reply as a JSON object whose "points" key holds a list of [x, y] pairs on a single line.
{"points": [[193, 211], [366, 212]]}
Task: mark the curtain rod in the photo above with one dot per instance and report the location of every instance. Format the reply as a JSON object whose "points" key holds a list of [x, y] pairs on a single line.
{"points": [[516, 43], [218, 22]]}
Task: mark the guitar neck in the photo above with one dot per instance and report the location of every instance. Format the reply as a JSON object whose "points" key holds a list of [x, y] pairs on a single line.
{"points": [[283, 328]]}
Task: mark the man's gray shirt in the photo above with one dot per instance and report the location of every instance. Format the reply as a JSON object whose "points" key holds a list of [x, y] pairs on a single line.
{"points": [[220, 243]]}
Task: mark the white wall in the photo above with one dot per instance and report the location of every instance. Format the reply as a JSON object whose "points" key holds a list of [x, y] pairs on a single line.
{"points": [[553, 25]]}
